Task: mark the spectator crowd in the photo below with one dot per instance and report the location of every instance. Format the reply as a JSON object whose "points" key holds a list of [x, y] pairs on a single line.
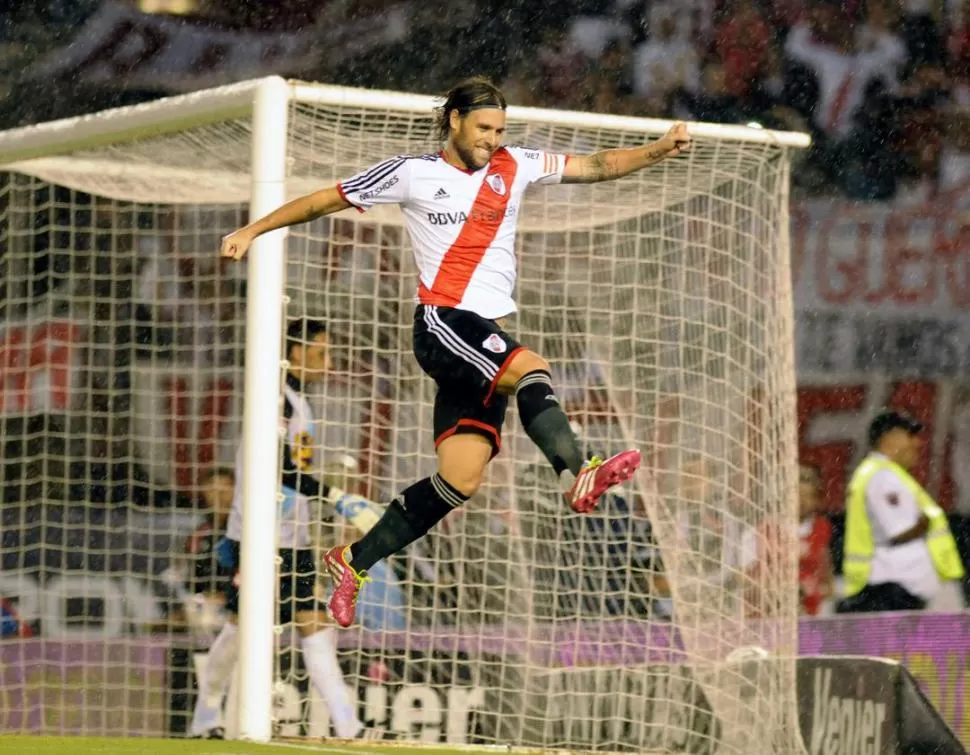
{"points": [[881, 85], [877, 83]]}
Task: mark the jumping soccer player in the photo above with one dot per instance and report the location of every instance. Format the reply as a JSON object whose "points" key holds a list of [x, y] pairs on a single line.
{"points": [[460, 207], [308, 353]]}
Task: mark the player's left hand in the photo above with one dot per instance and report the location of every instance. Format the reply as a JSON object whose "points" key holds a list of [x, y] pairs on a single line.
{"points": [[676, 140], [236, 244]]}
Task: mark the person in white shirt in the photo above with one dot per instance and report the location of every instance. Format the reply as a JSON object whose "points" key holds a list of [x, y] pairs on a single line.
{"points": [[877, 35], [898, 547], [307, 349], [843, 72], [959, 453], [665, 63], [460, 207], [712, 527]]}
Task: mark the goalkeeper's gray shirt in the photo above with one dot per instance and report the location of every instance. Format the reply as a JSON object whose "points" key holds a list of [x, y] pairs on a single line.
{"points": [[300, 444]]}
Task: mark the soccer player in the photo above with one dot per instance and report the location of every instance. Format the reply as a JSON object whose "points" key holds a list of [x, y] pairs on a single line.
{"points": [[308, 354], [460, 207], [195, 574]]}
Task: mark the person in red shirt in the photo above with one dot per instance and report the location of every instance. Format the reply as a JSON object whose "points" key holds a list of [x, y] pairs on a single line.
{"points": [[777, 546], [744, 45], [815, 575]]}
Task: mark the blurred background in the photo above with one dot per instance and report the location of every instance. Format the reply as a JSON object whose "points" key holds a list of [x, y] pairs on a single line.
{"points": [[880, 254], [882, 85]]}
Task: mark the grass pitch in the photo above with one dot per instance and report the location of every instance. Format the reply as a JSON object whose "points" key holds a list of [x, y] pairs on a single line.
{"points": [[36, 745]]}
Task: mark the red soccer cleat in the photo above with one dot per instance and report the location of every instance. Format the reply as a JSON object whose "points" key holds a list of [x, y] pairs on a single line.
{"points": [[598, 476], [346, 585]]}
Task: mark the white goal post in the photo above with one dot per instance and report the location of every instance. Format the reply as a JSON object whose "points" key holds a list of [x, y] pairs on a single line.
{"points": [[668, 291]]}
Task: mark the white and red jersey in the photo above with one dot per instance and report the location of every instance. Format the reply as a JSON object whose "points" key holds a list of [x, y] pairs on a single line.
{"points": [[461, 223]]}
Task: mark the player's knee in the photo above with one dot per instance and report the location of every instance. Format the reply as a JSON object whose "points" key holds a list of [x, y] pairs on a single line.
{"points": [[462, 459], [521, 365], [466, 481]]}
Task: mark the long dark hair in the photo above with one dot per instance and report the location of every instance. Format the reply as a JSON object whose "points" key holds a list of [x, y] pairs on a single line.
{"points": [[471, 94]]}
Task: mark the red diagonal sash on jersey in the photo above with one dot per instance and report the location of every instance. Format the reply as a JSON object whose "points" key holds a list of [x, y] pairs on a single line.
{"points": [[485, 217]]}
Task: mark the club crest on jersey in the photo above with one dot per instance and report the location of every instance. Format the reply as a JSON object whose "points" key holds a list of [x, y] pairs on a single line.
{"points": [[494, 343], [496, 183]]}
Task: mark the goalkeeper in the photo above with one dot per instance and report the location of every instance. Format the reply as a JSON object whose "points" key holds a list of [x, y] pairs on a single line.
{"points": [[460, 207], [308, 354]]}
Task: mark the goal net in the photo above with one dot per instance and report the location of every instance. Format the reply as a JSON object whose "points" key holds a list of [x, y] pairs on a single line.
{"points": [[665, 621]]}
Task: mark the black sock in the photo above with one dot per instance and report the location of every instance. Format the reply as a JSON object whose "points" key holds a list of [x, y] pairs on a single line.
{"points": [[407, 518], [546, 423]]}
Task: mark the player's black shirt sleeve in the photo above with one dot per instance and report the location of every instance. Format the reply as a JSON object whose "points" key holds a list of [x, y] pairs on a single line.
{"points": [[292, 477]]}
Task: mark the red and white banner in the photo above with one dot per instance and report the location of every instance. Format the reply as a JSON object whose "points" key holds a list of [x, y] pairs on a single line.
{"points": [[185, 421], [39, 367], [881, 289], [125, 49], [882, 298], [188, 419]]}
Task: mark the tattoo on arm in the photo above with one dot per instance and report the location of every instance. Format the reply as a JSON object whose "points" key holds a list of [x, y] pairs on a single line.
{"points": [[316, 207], [598, 169], [615, 163]]}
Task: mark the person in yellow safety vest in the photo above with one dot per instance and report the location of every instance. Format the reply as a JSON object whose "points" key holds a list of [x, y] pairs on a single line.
{"points": [[898, 546]]}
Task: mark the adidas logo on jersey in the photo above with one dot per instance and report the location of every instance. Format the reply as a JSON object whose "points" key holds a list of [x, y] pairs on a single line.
{"points": [[441, 194]]}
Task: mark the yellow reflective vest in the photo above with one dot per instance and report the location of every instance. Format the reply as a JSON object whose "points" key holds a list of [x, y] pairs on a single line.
{"points": [[859, 546]]}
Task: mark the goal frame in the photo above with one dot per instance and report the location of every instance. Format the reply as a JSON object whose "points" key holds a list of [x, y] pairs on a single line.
{"points": [[267, 102]]}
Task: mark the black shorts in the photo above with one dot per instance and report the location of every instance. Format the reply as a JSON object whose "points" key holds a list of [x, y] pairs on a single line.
{"points": [[298, 578], [465, 354]]}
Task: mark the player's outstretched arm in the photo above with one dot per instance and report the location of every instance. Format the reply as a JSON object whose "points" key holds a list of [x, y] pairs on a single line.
{"points": [[301, 210], [616, 163]]}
